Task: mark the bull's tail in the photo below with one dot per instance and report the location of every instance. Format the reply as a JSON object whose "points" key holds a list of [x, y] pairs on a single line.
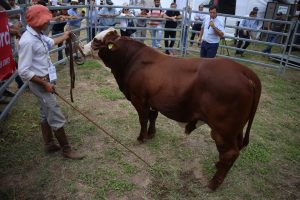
{"points": [[256, 87]]}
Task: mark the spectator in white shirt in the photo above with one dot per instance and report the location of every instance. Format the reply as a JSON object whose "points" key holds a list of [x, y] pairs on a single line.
{"points": [[198, 19]]}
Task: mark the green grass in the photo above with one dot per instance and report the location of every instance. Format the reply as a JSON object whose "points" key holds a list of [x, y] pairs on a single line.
{"points": [[110, 94], [181, 165]]}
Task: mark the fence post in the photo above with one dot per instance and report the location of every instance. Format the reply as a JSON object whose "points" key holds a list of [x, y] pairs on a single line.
{"points": [[291, 45], [281, 67]]}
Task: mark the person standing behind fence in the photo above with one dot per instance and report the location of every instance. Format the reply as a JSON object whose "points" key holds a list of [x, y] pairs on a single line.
{"points": [[108, 15], [141, 23], [243, 33], [198, 19], [124, 21], [172, 16], [93, 20], [212, 31], [35, 66], [156, 33], [75, 23], [276, 27], [59, 27]]}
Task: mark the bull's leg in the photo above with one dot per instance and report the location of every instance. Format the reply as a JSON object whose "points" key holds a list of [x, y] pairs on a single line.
{"points": [[240, 140], [152, 118], [190, 127], [228, 153], [143, 118]]}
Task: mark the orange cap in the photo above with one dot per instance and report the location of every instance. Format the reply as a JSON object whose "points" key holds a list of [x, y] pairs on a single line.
{"points": [[38, 15]]}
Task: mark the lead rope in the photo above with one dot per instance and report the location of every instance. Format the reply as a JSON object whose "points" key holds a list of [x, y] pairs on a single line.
{"points": [[69, 46], [102, 129], [73, 43]]}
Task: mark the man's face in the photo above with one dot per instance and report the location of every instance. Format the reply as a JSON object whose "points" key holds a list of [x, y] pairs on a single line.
{"points": [[174, 6], [254, 15], [43, 27], [11, 2], [213, 13], [201, 8], [157, 3]]}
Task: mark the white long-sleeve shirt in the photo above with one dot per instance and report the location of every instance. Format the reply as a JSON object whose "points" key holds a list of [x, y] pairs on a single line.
{"points": [[34, 54], [124, 22]]}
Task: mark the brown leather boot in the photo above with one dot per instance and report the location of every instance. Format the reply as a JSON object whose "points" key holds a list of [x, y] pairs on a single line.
{"points": [[66, 148], [50, 146]]}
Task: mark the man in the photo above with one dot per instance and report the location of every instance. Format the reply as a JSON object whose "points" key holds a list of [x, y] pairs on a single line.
{"points": [[108, 15], [156, 32], [141, 23], [36, 67], [198, 19], [276, 27], [172, 16], [244, 33], [76, 22], [212, 31]]}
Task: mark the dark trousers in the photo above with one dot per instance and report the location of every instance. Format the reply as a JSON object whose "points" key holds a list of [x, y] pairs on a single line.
{"points": [[271, 38], [196, 27], [172, 35], [92, 32], [208, 50], [18, 79], [60, 52], [124, 33], [240, 42]]}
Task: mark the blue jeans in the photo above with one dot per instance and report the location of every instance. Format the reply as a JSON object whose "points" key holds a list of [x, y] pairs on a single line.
{"points": [[156, 35], [208, 50], [271, 38]]}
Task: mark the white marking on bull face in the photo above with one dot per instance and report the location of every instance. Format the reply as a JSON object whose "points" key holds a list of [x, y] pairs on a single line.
{"points": [[102, 34], [87, 49]]}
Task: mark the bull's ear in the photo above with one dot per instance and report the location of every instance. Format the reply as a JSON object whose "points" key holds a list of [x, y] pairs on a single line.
{"points": [[112, 46]]}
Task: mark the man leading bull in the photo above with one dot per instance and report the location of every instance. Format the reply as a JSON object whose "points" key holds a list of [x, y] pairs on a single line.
{"points": [[36, 67]]}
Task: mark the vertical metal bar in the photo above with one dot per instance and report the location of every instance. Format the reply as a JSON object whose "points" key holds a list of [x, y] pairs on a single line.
{"points": [[187, 31], [281, 68], [291, 45], [89, 10], [184, 14]]}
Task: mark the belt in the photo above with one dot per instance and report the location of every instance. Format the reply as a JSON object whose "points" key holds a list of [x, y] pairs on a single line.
{"points": [[45, 78]]}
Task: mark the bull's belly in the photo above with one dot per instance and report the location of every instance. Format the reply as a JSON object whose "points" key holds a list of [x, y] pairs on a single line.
{"points": [[198, 124]]}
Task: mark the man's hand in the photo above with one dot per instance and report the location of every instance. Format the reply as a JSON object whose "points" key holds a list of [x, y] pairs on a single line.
{"points": [[199, 42], [212, 24], [49, 87], [66, 35]]}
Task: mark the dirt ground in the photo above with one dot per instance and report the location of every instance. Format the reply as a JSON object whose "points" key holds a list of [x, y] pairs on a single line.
{"points": [[181, 165]]}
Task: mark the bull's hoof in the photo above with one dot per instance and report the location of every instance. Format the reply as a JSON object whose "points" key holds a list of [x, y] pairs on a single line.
{"points": [[149, 136], [214, 184], [140, 140], [187, 132]]}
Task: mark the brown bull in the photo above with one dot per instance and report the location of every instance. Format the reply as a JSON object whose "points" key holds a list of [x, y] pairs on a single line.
{"points": [[219, 92]]}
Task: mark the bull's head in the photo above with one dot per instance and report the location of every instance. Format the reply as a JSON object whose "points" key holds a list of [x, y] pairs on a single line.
{"points": [[104, 39]]}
